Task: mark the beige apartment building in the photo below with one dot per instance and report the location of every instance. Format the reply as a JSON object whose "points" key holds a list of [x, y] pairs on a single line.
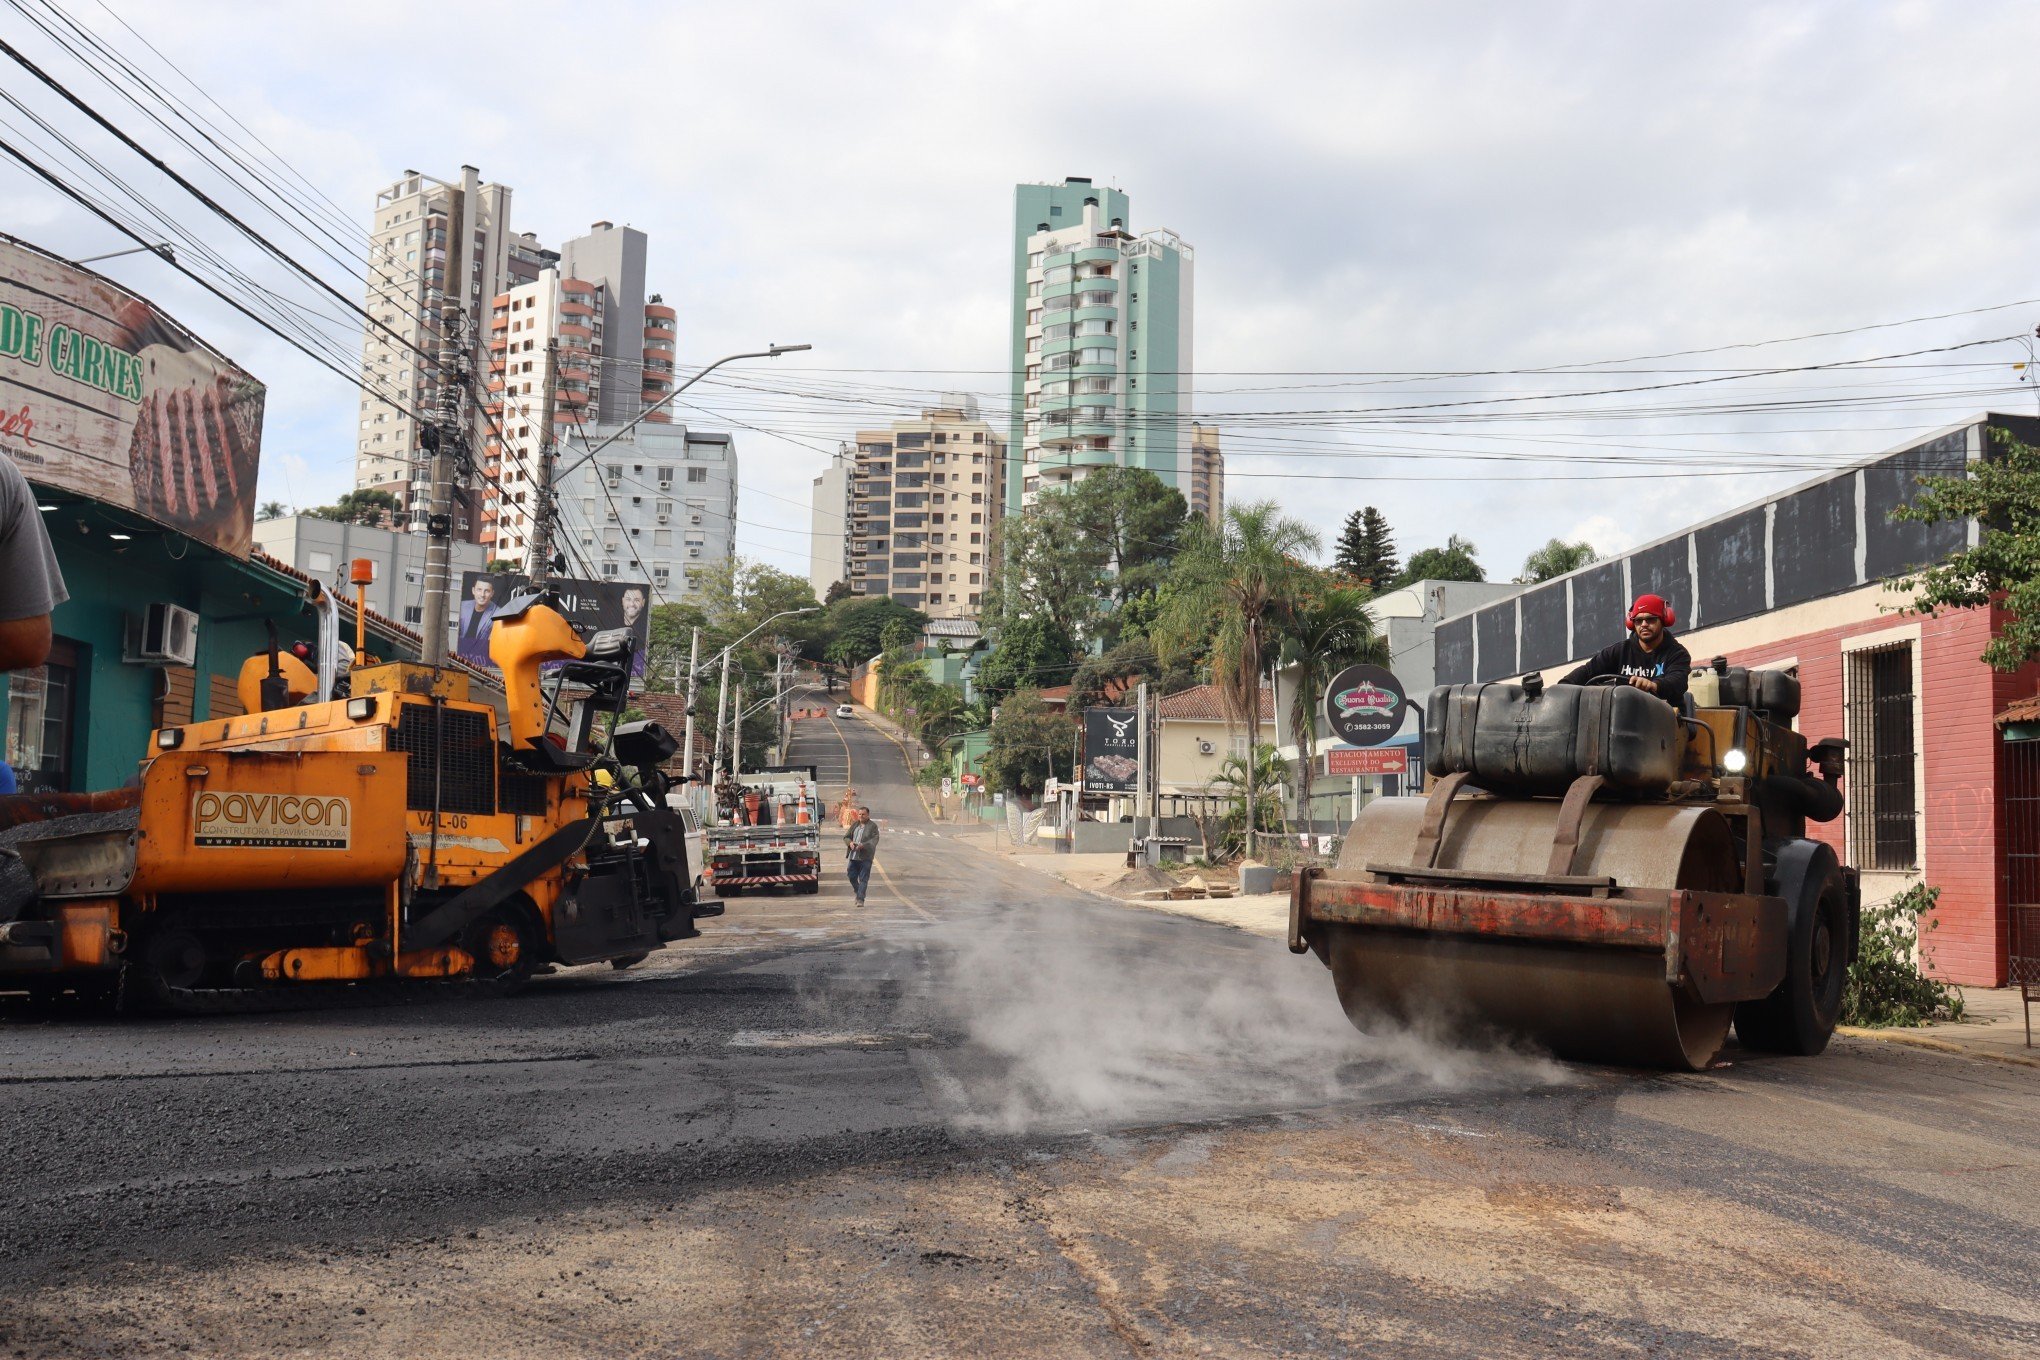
{"points": [[924, 498], [431, 242], [1206, 492]]}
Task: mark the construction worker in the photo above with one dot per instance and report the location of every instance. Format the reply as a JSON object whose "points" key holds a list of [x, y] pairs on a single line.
{"points": [[1650, 658], [860, 845]]}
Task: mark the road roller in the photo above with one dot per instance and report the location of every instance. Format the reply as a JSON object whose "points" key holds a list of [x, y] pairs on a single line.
{"points": [[386, 828], [1600, 873]]}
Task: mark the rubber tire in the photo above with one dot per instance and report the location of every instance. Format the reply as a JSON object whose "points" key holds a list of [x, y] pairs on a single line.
{"points": [[810, 889], [1800, 1016]]}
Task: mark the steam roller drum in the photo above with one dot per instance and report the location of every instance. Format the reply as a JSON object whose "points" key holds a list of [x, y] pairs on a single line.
{"points": [[1606, 1005]]}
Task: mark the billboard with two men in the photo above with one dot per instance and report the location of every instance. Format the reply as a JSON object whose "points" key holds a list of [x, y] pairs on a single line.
{"points": [[591, 606]]}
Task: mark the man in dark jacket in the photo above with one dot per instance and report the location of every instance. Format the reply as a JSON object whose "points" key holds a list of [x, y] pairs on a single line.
{"points": [[1650, 658]]}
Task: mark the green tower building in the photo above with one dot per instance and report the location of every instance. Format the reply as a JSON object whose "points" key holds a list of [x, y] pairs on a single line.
{"points": [[1101, 342]]}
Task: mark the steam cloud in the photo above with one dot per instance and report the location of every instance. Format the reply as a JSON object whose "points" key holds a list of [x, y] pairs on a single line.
{"points": [[1092, 1026]]}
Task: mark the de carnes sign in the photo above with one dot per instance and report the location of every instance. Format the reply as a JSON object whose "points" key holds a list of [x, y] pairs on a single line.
{"points": [[1364, 705]]}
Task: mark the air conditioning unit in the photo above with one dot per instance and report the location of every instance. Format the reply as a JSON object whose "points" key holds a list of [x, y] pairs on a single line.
{"points": [[1206, 748], [165, 635], [668, 519], [694, 552]]}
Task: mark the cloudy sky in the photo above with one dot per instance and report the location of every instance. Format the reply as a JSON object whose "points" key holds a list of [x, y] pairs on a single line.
{"points": [[1396, 209]]}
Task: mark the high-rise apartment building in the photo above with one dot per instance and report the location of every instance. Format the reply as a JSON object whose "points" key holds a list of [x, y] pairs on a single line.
{"points": [[1206, 492], [657, 504], [924, 500], [829, 521], [431, 242], [1101, 341], [615, 357]]}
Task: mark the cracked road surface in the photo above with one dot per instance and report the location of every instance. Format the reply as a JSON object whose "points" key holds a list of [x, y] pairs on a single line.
{"points": [[986, 1115]]}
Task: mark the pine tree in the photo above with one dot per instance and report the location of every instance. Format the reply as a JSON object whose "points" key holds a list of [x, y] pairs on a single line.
{"points": [[1366, 549]]}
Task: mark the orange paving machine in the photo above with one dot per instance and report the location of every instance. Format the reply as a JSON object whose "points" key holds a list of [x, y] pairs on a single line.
{"points": [[385, 825]]}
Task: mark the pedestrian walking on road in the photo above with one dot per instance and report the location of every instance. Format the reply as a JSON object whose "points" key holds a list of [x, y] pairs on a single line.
{"points": [[860, 843]]}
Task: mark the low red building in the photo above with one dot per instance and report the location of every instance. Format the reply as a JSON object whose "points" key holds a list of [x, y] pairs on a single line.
{"points": [[1802, 580]]}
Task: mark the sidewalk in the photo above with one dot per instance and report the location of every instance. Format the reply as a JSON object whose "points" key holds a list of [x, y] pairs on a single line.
{"points": [[1993, 1026]]}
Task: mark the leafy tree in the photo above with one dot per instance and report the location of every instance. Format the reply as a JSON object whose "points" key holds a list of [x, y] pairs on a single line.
{"points": [[740, 593], [1082, 555], [852, 629], [1366, 550], [1555, 559], [272, 510], [668, 642], [897, 635], [1029, 742], [2002, 494], [838, 590], [1138, 518], [370, 506], [1453, 562], [1321, 633], [497, 564], [1235, 581], [1131, 662], [1030, 652]]}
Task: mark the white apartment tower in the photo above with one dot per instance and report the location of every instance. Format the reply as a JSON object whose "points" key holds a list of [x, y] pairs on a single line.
{"points": [[431, 242], [657, 504], [829, 521]]}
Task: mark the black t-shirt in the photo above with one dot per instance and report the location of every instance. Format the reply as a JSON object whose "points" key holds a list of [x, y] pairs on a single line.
{"points": [[1669, 665]]}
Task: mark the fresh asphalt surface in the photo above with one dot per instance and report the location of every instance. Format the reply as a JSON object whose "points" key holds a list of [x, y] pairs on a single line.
{"points": [[986, 1114]]}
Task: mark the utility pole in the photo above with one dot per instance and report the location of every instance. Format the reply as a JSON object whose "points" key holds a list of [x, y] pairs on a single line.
{"points": [[722, 702], [1143, 761], [540, 565], [693, 664], [737, 730], [447, 441], [779, 703]]}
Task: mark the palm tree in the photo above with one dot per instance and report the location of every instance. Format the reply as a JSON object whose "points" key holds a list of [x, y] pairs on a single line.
{"points": [[272, 510], [1320, 634], [1234, 580], [1555, 559], [1251, 784]]}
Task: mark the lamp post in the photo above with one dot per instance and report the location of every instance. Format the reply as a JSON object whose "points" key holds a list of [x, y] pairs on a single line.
{"points": [[161, 249], [769, 352]]}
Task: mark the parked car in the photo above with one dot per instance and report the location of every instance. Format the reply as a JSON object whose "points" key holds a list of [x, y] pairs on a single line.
{"points": [[845, 711]]}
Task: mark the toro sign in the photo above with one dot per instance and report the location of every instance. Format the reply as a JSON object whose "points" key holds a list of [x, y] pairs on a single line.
{"points": [[1365, 705]]}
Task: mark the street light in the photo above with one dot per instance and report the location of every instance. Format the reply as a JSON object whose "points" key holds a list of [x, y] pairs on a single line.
{"points": [[769, 352], [161, 249]]}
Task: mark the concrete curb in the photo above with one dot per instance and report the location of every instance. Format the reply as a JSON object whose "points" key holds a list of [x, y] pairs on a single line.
{"points": [[1914, 1039]]}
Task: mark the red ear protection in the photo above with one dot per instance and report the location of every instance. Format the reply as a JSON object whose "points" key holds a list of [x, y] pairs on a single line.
{"points": [[1651, 604]]}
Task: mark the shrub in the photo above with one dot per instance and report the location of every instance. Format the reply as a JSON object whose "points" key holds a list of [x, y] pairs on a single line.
{"points": [[1886, 986]]}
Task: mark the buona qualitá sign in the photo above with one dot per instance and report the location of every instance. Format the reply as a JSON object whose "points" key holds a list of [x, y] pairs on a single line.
{"points": [[1364, 705]]}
